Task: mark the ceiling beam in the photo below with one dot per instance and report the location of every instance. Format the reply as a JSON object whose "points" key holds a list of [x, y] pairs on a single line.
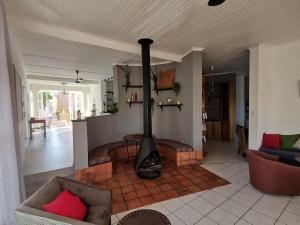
{"points": [[68, 34]]}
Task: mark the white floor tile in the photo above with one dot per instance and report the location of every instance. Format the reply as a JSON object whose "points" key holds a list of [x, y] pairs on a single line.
{"points": [[205, 221], [158, 207], [256, 218], [244, 199], [242, 222], [189, 198], [220, 216], [293, 208], [276, 199], [234, 208], [289, 218], [174, 220], [226, 190], [214, 197], [296, 200], [114, 219], [188, 214], [172, 204], [251, 192], [202, 205], [267, 209]]}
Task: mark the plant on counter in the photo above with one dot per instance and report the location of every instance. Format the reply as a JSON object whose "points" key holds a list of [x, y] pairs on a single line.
{"points": [[113, 108]]}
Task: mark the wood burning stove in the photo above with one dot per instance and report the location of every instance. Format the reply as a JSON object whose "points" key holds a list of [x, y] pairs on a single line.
{"points": [[147, 163]]}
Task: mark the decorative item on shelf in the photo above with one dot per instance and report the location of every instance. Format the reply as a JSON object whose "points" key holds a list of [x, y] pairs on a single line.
{"points": [[154, 78], [93, 111], [135, 97], [176, 88], [170, 100], [178, 102], [132, 97], [128, 100], [78, 114], [127, 72], [160, 103]]}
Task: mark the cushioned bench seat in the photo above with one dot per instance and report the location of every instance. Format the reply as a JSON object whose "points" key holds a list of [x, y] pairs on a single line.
{"points": [[101, 159]]}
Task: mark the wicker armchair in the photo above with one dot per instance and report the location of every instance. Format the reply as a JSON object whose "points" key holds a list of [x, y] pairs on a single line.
{"points": [[97, 200], [271, 176]]}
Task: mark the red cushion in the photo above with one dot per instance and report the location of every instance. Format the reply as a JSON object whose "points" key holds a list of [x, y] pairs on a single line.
{"points": [[271, 141], [68, 205]]}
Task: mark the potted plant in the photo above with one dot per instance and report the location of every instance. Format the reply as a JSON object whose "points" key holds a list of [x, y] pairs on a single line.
{"points": [[127, 72], [176, 88]]}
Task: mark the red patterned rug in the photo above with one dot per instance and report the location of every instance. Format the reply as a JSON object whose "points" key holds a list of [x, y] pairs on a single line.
{"points": [[130, 191]]}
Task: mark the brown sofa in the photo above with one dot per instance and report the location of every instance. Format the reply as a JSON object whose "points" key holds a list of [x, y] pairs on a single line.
{"points": [[271, 176], [97, 200]]}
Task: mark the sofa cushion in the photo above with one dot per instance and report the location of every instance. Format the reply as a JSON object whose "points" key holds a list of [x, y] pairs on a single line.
{"points": [[297, 144], [271, 141], [281, 153], [68, 205], [287, 141]]}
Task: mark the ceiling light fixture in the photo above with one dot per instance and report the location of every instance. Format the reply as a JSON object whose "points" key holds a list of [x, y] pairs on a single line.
{"points": [[215, 2], [78, 79]]}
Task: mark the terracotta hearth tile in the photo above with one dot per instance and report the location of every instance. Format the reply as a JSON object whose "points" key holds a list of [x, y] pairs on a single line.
{"points": [[116, 191], [183, 191], [139, 186], [147, 200], [130, 196], [159, 197], [150, 184], [203, 186], [132, 204], [194, 188], [171, 194], [166, 187], [119, 207], [143, 192], [186, 183], [180, 177], [116, 198], [127, 189], [213, 183], [154, 190]]}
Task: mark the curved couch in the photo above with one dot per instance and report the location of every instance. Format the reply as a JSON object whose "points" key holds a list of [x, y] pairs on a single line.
{"points": [[271, 176], [101, 158]]}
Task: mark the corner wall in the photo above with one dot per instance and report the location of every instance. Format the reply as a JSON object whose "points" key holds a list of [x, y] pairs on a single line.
{"points": [[274, 91], [184, 126]]}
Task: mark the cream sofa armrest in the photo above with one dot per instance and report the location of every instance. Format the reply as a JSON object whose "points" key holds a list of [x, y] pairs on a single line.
{"points": [[25, 215]]}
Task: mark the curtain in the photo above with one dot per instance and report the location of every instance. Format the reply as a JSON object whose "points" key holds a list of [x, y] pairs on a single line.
{"points": [[9, 184]]}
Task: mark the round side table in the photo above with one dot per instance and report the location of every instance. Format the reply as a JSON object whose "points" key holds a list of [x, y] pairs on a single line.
{"points": [[144, 217]]}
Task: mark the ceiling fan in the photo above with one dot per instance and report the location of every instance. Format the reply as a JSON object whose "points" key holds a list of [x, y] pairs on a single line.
{"points": [[78, 79], [215, 2]]}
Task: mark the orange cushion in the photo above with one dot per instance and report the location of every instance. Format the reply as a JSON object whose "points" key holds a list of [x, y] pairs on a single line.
{"points": [[166, 79]]}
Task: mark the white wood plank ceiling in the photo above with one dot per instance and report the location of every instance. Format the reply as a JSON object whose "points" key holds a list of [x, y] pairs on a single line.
{"points": [[176, 26]]}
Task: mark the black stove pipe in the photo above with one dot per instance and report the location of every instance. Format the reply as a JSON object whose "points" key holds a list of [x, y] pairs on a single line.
{"points": [[147, 163], [146, 86]]}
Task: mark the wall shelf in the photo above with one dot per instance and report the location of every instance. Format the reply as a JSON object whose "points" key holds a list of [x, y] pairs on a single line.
{"points": [[170, 105], [135, 102], [162, 89], [132, 86]]}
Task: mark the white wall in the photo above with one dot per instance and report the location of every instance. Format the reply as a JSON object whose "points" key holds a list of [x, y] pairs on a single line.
{"points": [[9, 182], [274, 90]]}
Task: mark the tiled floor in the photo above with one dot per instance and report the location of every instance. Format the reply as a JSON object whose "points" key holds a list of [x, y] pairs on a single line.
{"points": [[237, 203], [53, 153], [130, 191]]}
